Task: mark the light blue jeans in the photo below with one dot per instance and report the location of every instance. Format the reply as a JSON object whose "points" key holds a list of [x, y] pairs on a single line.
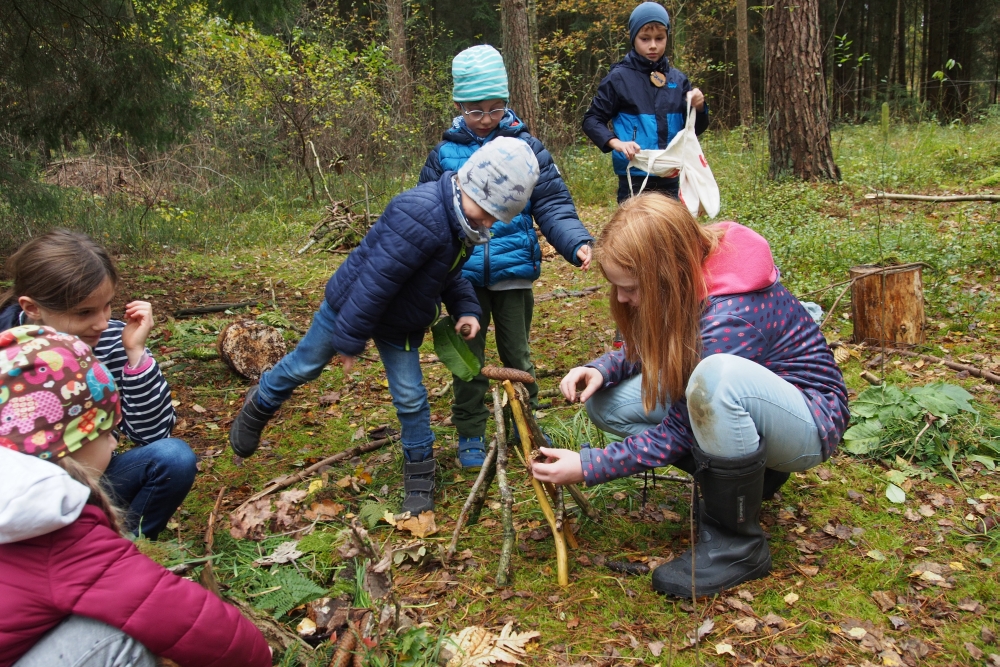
{"points": [[735, 405], [402, 370], [83, 642]]}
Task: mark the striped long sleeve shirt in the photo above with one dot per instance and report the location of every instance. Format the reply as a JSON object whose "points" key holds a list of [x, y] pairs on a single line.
{"points": [[147, 413]]}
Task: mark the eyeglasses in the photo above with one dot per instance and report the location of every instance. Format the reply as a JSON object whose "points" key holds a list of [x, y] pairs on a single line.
{"points": [[476, 114]]}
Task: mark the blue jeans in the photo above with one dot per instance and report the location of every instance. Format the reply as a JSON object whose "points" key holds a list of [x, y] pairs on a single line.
{"points": [[83, 642], [402, 370], [735, 406], [152, 480]]}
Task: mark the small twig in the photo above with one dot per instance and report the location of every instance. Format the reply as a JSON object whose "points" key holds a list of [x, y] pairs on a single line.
{"points": [[584, 504], [491, 456], [207, 576], [560, 508], [215, 308], [671, 478], [971, 370], [836, 302], [871, 378], [931, 198], [507, 516], [288, 480]]}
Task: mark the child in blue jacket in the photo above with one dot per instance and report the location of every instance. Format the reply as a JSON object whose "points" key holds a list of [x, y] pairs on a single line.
{"points": [[503, 269], [390, 288], [645, 100]]}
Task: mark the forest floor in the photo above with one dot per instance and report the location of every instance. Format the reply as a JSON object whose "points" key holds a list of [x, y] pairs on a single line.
{"points": [[858, 579]]}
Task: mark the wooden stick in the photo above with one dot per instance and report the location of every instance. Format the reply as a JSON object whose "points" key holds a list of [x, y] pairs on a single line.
{"points": [[932, 198], [562, 559], [507, 516], [871, 378], [563, 294], [972, 370], [275, 633], [490, 458], [582, 502], [216, 308], [501, 434], [288, 480], [480, 499], [836, 301], [207, 576]]}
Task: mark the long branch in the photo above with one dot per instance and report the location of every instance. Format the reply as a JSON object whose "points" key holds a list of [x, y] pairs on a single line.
{"points": [[473, 493], [972, 370], [932, 198], [507, 516]]}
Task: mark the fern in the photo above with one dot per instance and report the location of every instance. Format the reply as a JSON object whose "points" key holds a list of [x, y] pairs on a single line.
{"points": [[371, 511], [290, 590]]}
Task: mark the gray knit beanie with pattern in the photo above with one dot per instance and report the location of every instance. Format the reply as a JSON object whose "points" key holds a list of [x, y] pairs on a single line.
{"points": [[500, 177]]}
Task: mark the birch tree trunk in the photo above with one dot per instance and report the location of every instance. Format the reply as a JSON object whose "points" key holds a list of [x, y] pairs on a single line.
{"points": [[799, 123], [517, 58]]}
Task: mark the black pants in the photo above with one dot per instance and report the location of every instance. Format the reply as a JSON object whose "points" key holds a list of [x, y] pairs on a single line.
{"points": [[668, 186]]}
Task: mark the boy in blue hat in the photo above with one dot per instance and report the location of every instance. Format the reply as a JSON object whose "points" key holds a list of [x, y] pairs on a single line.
{"points": [[390, 289], [503, 269], [645, 99]]}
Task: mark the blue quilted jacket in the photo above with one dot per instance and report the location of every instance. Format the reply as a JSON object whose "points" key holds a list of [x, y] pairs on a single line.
{"points": [[637, 110], [391, 286], [513, 251]]}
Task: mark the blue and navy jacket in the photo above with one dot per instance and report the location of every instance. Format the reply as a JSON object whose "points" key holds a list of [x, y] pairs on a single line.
{"points": [[513, 251], [637, 110], [391, 286]]}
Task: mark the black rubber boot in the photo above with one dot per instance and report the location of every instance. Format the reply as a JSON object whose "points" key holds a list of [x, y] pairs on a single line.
{"points": [[731, 546], [244, 434], [418, 483], [773, 480]]}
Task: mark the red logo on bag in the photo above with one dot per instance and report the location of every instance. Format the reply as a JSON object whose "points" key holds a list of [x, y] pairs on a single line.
{"points": [[702, 158]]}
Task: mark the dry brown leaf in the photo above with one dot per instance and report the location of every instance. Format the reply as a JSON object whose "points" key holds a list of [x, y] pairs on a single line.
{"points": [[885, 600], [323, 510], [746, 625], [656, 648], [475, 646], [249, 522], [419, 526]]}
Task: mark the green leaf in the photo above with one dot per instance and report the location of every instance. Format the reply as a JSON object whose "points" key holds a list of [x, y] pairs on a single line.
{"points": [[453, 351], [985, 460], [895, 476], [895, 494], [934, 401], [959, 395], [861, 438]]}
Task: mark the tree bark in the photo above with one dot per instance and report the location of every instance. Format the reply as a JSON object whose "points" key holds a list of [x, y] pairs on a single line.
{"points": [[799, 126], [743, 60], [397, 52], [517, 58]]}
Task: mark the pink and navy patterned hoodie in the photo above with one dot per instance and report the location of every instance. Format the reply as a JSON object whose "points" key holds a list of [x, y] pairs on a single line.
{"points": [[749, 314]]}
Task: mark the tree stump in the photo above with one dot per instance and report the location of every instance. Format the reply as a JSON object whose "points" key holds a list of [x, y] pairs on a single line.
{"points": [[887, 304], [249, 348]]}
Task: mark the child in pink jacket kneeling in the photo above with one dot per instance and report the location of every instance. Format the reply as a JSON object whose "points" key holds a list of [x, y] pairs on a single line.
{"points": [[73, 591]]}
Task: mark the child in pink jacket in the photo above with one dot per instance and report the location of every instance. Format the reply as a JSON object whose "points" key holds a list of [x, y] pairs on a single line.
{"points": [[73, 591]]}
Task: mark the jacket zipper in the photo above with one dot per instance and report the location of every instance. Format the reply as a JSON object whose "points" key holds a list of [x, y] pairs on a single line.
{"points": [[486, 265]]}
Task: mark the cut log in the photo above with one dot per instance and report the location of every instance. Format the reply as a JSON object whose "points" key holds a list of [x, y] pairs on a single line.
{"points": [[887, 305], [249, 348]]}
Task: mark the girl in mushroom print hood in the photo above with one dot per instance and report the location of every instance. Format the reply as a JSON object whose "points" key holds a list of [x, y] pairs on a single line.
{"points": [[723, 373]]}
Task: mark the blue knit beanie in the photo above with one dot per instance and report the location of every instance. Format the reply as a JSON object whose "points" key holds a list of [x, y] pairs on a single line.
{"points": [[500, 177], [647, 12], [479, 75]]}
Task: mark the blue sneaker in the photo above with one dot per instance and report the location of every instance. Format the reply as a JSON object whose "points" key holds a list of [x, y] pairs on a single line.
{"points": [[471, 451]]}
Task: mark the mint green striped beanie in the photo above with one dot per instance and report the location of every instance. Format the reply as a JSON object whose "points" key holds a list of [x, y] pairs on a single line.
{"points": [[479, 75]]}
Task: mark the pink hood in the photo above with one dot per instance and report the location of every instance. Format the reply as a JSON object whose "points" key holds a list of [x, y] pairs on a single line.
{"points": [[742, 262]]}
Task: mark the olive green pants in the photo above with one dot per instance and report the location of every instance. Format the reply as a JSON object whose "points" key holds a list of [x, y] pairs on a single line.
{"points": [[511, 312]]}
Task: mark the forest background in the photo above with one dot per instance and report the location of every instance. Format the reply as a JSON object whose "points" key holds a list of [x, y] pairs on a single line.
{"points": [[204, 99]]}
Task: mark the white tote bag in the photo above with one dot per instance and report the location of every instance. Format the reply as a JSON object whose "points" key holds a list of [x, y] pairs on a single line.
{"points": [[683, 157]]}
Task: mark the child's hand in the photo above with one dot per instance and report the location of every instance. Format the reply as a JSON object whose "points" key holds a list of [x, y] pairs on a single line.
{"points": [[582, 377], [629, 148], [566, 469], [467, 321], [138, 324], [697, 99], [584, 254]]}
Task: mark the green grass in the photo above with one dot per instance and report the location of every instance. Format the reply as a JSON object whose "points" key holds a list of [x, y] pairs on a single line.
{"points": [[817, 232]]}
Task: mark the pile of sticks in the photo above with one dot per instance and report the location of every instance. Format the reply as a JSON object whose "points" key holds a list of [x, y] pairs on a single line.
{"points": [[341, 228], [496, 467]]}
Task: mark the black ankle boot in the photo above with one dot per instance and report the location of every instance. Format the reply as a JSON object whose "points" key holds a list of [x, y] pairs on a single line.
{"points": [[731, 547], [244, 434], [418, 484]]}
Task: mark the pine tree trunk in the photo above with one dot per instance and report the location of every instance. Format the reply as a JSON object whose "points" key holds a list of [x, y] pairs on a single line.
{"points": [[397, 52], [799, 127], [743, 60], [517, 57]]}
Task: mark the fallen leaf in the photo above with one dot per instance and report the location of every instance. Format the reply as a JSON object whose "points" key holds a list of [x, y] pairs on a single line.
{"points": [[306, 627], [956, 566], [323, 510], [745, 594], [197, 408], [656, 648], [890, 658], [419, 526], [775, 621], [895, 494], [968, 604], [791, 599], [987, 635], [746, 625], [884, 599], [286, 552], [808, 570], [360, 433], [572, 623], [910, 515], [857, 633], [475, 646], [926, 510], [315, 486], [705, 628], [899, 623], [330, 398], [724, 648], [974, 651], [739, 605], [248, 523]]}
